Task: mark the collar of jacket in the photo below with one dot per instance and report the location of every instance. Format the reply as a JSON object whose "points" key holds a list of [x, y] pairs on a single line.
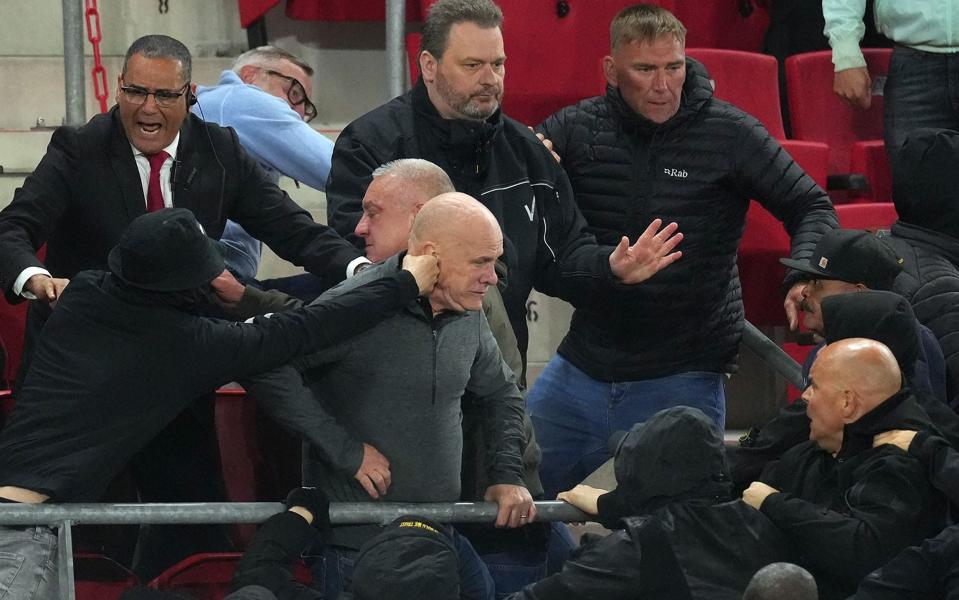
{"points": [[697, 91], [468, 140], [928, 239], [900, 411]]}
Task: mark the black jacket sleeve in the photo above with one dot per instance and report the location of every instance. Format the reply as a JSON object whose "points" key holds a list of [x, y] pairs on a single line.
{"points": [[762, 445], [236, 350], [928, 571], [883, 511], [767, 173], [36, 208], [269, 561], [492, 383], [941, 461], [350, 174], [607, 569]]}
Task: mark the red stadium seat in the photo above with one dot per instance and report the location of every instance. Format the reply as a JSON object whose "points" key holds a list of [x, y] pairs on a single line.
{"points": [[13, 319], [240, 455], [248, 440], [98, 577], [207, 576], [203, 576], [719, 24], [817, 114], [764, 242], [870, 215], [747, 80]]}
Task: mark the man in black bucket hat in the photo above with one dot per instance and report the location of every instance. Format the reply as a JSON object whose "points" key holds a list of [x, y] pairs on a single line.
{"points": [[124, 352]]}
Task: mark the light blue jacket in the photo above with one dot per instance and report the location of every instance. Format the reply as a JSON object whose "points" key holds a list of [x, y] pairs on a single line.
{"points": [[929, 25], [276, 136]]}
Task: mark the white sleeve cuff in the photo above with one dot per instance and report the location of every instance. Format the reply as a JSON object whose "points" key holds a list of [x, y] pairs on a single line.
{"points": [[359, 260], [22, 280]]}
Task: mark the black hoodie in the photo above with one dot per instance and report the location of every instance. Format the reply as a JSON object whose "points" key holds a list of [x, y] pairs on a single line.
{"points": [[682, 536], [926, 236]]}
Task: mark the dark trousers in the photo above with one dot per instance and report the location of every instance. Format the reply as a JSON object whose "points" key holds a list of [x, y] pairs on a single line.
{"points": [[922, 90]]}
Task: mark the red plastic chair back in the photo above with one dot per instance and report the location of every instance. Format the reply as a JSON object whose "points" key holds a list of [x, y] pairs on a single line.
{"points": [[818, 115], [99, 577], [867, 215], [204, 576], [747, 80]]}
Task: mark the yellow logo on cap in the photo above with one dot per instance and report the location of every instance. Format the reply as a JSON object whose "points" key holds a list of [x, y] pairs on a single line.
{"points": [[823, 261]]}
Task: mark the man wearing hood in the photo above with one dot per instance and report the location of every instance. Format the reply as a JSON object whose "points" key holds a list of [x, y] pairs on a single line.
{"points": [[124, 353], [679, 532], [658, 144], [869, 503], [926, 236]]}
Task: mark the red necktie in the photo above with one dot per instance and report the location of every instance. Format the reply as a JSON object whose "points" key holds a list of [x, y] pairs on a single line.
{"points": [[154, 195]]}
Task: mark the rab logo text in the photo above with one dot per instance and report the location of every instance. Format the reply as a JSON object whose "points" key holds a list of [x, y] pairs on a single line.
{"points": [[682, 174]]}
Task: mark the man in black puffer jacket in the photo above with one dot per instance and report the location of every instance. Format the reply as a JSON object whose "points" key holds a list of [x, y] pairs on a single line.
{"points": [[453, 119], [659, 144], [926, 236]]}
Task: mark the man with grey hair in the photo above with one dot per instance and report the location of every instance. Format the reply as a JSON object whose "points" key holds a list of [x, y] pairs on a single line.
{"points": [[265, 97], [452, 117], [658, 144], [398, 191]]}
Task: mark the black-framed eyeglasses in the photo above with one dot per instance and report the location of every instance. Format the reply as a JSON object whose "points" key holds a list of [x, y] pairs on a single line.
{"points": [[296, 94], [165, 98]]}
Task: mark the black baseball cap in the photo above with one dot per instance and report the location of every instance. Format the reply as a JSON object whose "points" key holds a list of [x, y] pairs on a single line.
{"points": [[851, 255]]}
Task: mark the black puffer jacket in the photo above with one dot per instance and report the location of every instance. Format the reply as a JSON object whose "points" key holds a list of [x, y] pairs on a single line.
{"points": [[699, 169], [930, 281], [851, 513]]}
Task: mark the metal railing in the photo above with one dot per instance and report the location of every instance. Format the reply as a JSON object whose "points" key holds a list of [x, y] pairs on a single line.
{"points": [[65, 516], [775, 357]]}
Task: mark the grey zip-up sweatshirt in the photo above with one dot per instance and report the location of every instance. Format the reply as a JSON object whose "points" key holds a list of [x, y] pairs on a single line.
{"points": [[398, 388]]}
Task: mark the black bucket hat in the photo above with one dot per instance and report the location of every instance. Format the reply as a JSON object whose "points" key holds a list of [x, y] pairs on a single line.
{"points": [[166, 251], [413, 558], [851, 255]]}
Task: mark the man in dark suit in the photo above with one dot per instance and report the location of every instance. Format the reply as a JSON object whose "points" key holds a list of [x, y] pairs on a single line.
{"points": [[95, 179], [147, 153]]}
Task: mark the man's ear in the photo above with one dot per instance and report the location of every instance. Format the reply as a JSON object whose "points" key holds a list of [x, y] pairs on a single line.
{"points": [[609, 70], [850, 406], [119, 85], [428, 64], [248, 73]]}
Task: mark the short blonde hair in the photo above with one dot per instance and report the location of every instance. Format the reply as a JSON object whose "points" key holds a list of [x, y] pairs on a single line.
{"points": [[644, 23]]}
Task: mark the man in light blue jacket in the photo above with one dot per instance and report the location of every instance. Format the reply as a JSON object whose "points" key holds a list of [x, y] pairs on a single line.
{"points": [[922, 89], [265, 97]]}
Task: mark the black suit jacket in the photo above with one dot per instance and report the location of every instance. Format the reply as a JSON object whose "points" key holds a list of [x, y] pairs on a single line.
{"points": [[86, 190]]}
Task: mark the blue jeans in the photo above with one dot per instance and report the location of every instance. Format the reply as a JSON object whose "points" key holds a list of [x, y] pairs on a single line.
{"points": [[333, 571], [922, 90], [28, 563], [574, 414]]}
